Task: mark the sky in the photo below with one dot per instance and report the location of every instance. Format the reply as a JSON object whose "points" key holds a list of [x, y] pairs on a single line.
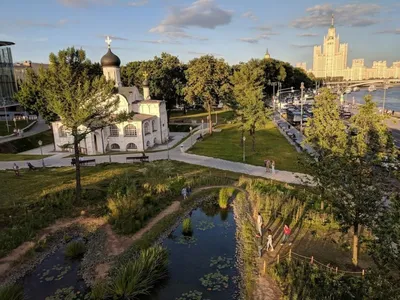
{"points": [[236, 30]]}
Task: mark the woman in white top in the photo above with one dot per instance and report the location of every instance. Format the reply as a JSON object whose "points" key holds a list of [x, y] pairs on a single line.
{"points": [[269, 240]]}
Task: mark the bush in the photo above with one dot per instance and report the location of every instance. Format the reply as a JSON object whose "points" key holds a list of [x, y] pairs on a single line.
{"points": [[99, 290], [224, 195], [11, 292], [75, 249], [187, 226], [139, 276]]}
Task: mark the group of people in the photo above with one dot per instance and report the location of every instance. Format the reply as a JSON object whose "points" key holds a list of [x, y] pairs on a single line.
{"points": [[286, 233], [186, 191], [270, 166], [18, 132]]}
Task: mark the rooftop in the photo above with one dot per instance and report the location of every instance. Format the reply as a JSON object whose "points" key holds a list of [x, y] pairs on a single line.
{"points": [[141, 117], [4, 43]]}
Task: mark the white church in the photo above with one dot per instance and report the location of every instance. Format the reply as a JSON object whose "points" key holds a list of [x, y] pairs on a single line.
{"points": [[147, 128]]}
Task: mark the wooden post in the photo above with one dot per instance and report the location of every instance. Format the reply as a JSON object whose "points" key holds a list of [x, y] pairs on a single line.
{"points": [[277, 259], [265, 267], [312, 260], [290, 254], [336, 269]]}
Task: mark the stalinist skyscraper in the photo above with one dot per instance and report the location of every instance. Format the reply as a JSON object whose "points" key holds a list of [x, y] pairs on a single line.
{"points": [[331, 60]]}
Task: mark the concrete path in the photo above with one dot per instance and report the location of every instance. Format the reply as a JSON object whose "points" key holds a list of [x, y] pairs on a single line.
{"points": [[39, 127], [177, 154]]}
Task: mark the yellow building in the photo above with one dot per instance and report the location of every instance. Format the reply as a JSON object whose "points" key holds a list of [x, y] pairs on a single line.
{"points": [[330, 60], [302, 65]]}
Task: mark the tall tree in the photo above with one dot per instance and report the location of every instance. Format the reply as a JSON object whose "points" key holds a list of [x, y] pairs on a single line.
{"points": [[83, 102], [208, 83], [248, 84], [131, 74], [344, 165]]}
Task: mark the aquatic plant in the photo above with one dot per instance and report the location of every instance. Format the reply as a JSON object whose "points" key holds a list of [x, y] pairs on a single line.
{"points": [[67, 294], [99, 290], [215, 281], [186, 240], [75, 249], [205, 225], [187, 226], [224, 195], [221, 262], [191, 295], [11, 292], [139, 276]]}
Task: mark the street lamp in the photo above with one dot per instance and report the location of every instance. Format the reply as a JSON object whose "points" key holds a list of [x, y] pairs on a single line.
{"points": [[191, 141], [41, 152], [168, 146], [301, 105], [202, 124], [384, 96], [5, 115], [244, 149], [109, 150]]}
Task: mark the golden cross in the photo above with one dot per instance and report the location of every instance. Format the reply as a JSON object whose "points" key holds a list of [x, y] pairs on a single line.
{"points": [[145, 74]]}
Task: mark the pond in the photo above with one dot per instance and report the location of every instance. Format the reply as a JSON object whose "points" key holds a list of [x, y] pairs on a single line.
{"points": [[202, 266], [56, 277]]}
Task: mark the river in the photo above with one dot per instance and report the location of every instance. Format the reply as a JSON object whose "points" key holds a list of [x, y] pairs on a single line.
{"points": [[392, 97]]}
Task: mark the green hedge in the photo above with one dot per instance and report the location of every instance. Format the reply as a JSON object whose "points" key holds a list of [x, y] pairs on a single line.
{"points": [[27, 143]]}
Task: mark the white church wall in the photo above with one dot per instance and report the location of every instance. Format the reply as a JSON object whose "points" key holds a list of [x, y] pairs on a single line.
{"points": [[123, 105]]}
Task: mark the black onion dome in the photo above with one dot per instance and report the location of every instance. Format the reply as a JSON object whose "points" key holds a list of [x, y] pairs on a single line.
{"points": [[110, 60]]}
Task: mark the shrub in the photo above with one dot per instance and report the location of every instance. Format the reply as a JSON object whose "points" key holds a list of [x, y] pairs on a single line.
{"points": [[75, 249], [224, 195], [99, 290], [11, 292], [187, 226], [139, 276]]}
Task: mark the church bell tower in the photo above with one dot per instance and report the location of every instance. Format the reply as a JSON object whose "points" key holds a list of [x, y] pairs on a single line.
{"points": [[110, 63]]}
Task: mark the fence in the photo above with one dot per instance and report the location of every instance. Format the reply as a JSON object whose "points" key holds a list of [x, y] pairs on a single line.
{"points": [[327, 267]]}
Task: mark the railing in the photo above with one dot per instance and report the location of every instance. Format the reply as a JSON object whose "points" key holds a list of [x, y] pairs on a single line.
{"points": [[327, 267]]}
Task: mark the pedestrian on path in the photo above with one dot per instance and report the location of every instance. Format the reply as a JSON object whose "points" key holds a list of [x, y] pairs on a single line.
{"points": [[259, 224], [273, 167], [269, 240], [267, 164], [286, 234], [184, 193], [16, 169]]}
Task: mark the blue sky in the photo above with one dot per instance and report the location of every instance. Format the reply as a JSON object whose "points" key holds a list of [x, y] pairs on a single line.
{"points": [[236, 30]]}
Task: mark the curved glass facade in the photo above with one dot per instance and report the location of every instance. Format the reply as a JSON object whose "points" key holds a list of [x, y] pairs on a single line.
{"points": [[7, 78]]}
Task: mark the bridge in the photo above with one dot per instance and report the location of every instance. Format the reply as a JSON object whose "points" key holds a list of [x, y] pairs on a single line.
{"points": [[359, 83]]}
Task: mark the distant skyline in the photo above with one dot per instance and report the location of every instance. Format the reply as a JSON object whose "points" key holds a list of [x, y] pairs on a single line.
{"points": [[235, 30]]}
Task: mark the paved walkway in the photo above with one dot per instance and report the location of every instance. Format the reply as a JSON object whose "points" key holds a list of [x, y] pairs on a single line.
{"points": [[59, 160], [39, 127]]}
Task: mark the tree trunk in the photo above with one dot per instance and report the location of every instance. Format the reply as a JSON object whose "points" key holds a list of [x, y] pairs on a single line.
{"points": [[209, 119], [78, 187], [355, 246], [241, 139], [253, 135]]}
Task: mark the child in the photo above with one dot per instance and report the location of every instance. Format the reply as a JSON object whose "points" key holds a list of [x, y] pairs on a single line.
{"points": [[259, 224], [269, 240]]}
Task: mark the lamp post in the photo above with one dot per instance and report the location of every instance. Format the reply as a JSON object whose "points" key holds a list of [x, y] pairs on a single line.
{"points": [[273, 84], [244, 149], [301, 106], [168, 146], [384, 96], [191, 141], [202, 124], [41, 152], [109, 150], [5, 115]]}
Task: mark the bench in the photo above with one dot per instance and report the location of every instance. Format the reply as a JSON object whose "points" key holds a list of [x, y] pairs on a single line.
{"points": [[83, 162], [140, 158]]}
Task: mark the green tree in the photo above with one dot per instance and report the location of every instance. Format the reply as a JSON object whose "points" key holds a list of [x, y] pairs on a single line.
{"points": [[344, 165], [131, 74], [82, 101], [248, 84], [208, 83]]}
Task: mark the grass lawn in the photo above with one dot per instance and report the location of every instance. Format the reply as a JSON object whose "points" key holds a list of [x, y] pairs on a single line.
{"points": [[27, 143], [20, 124], [270, 144], [222, 116], [20, 157]]}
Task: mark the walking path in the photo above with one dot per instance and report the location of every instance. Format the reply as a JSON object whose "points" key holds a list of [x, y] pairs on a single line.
{"points": [[177, 154], [39, 127]]}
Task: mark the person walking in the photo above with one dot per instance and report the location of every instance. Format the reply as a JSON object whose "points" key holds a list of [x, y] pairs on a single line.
{"points": [[267, 164], [184, 193], [286, 234], [16, 169], [259, 224], [269, 240], [273, 167]]}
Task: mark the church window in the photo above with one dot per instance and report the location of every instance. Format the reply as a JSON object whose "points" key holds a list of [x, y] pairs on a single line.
{"points": [[130, 130], [61, 132], [153, 124], [131, 146], [146, 128], [115, 147], [114, 131]]}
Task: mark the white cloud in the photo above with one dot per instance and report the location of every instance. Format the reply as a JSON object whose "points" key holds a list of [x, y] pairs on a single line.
{"points": [[250, 15], [113, 37], [250, 40], [84, 3], [138, 3], [307, 34], [389, 31], [201, 13], [354, 15], [161, 42], [265, 33], [302, 46], [30, 23], [203, 53]]}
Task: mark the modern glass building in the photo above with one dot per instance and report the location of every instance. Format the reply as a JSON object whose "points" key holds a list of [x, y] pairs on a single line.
{"points": [[7, 79]]}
